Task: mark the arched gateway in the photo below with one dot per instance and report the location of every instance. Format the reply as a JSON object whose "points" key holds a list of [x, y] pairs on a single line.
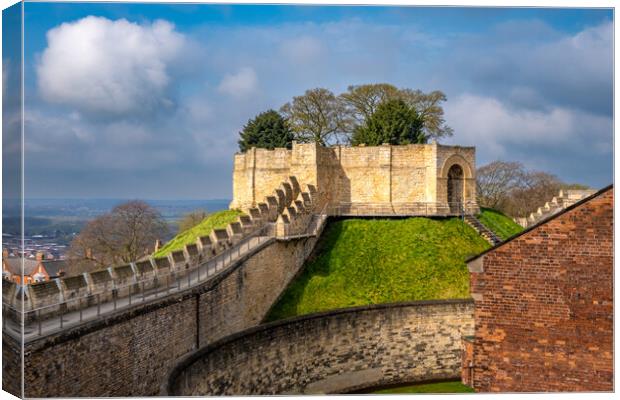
{"points": [[455, 188]]}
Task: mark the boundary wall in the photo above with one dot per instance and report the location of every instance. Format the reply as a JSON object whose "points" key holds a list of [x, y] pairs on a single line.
{"points": [[333, 352]]}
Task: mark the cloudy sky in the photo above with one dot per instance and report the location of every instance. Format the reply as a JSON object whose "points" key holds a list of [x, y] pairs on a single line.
{"points": [[147, 101]]}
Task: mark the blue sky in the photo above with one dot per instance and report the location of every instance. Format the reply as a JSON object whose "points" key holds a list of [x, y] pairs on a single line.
{"points": [[147, 100]]}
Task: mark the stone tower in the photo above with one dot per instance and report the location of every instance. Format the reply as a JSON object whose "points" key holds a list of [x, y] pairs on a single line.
{"points": [[436, 178]]}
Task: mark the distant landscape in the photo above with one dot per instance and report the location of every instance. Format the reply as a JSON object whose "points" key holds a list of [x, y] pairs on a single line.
{"points": [[62, 219]]}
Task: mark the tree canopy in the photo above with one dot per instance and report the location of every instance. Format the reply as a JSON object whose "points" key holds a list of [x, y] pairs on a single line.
{"points": [[361, 101], [319, 116], [393, 122], [316, 116], [267, 130]]}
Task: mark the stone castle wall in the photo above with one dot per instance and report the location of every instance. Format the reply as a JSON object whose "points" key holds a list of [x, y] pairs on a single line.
{"points": [[130, 352], [364, 175], [333, 352], [544, 306]]}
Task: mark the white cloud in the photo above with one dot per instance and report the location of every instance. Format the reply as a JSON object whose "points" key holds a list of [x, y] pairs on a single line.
{"points": [[5, 75], [549, 67], [302, 50], [495, 128], [116, 67], [505, 92], [244, 82]]}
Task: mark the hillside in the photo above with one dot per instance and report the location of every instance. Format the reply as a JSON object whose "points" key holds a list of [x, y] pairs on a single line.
{"points": [[503, 226], [215, 220], [361, 262]]}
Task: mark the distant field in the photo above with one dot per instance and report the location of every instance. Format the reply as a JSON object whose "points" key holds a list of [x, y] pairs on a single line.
{"points": [[373, 261], [503, 226], [63, 217]]}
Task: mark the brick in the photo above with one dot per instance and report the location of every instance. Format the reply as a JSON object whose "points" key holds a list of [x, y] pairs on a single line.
{"points": [[549, 293]]}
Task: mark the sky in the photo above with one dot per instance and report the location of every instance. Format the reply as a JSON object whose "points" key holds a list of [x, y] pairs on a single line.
{"points": [[146, 100]]}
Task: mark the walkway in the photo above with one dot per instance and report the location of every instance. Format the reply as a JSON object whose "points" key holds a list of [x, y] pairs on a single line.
{"points": [[169, 284]]}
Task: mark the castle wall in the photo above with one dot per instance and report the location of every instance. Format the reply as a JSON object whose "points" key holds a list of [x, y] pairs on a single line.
{"points": [[244, 298], [130, 352], [544, 306], [332, 352], [373, 175], [11, 365], [257, 173], [121, 355]]}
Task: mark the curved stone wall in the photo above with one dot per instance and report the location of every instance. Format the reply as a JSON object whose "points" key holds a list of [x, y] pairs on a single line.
{"points": [[332, 352]]}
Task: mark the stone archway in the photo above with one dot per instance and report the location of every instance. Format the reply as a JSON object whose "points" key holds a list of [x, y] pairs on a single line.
{"points": [[455, 188]]}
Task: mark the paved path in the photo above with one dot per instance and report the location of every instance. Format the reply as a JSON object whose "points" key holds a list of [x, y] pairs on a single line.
{"points": [[197, 276]]}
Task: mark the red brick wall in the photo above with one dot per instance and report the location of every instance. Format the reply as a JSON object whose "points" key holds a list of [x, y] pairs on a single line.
{"points": [[467, 360], [543, 306]]}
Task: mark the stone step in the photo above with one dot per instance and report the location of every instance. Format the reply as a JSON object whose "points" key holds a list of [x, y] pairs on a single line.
{"points": [[482, 230]]}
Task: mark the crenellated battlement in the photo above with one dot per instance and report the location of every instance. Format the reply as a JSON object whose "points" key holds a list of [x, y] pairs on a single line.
{"points": [[284, 194], [564, 199], [289, 211], [364, 178]]}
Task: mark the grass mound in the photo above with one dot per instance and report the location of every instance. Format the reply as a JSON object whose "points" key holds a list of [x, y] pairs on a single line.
{"points": [[503, 226], [436, 387], [361, 262], [216, 220]]}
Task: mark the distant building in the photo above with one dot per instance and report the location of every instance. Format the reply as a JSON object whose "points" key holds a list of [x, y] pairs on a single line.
{"points": [[34, 270], [544, 305]]}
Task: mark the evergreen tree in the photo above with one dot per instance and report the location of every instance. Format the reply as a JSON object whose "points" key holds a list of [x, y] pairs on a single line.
{"points": [[267, 130], [393, 122]]}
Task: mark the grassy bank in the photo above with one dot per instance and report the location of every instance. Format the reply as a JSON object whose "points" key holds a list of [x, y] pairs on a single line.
{"points": [[503, 226], [216, 220], [362, 262], [437, 387]]}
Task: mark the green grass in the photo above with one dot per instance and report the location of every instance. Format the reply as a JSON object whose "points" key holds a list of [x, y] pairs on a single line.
{"points": [[361, 262], [437, 387], [503, 226], [213, 221]]}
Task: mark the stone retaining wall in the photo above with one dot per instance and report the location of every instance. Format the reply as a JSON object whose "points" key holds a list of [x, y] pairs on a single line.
{"points": [[333, 352]]}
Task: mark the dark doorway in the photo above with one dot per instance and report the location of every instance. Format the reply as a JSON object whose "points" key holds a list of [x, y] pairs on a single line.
{"points": [[455, 188]]}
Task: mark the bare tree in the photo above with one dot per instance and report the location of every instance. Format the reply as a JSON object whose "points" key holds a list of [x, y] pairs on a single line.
{"points": [[125, 234], [361, 101], [496, 181], [534, 189], [316, 116], [428, 107], [191, 219], [509, 188]]}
